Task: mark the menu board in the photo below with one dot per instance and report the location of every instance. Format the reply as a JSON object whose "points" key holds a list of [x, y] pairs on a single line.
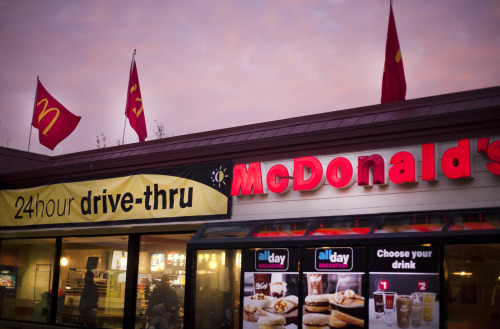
{"points": [[271, 288], [333, 281], [404, 287]]}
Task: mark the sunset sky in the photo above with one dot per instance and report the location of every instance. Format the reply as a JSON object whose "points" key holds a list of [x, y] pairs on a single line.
{"points": [[206, 65]]}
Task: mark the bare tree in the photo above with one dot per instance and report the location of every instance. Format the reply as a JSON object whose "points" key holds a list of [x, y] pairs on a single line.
{"points": [[101, 140], [159, 130]]}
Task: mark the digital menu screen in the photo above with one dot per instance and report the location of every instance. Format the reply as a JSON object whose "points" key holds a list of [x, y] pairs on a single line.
{"points": [[404, 287], [271, 288], [8, 281], [157, 262], [333, 287], [7, 284]]}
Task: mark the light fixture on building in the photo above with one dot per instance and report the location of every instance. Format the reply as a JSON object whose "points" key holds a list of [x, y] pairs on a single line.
{"points": [[463, 273], [123, 260], [238, 259], [213, 262], [465, 270], [64, 258]]}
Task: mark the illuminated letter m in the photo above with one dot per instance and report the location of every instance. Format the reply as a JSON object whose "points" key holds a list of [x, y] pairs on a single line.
{"points": [[245, 180]]}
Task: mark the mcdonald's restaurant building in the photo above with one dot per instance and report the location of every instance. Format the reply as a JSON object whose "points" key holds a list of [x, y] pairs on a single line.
{"points": [[386, 216]]}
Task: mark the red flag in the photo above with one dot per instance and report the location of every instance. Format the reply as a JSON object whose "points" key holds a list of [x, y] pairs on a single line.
{"points": [[393, 81], [53, 121], [134, 110]]}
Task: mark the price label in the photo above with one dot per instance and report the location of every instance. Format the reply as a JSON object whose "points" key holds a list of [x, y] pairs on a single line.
{"points": [[383, 285], [422, 285]]}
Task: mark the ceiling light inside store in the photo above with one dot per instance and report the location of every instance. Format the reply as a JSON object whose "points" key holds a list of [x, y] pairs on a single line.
{"points": [[123, 261], [64, 261], [463, 273]]}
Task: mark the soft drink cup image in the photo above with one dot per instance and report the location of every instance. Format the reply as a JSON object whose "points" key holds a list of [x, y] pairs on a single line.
{"points": [[428, 312], [315, 284], [403, 311], [389, 307], [416, 313], [262, 283], [378, 301]]}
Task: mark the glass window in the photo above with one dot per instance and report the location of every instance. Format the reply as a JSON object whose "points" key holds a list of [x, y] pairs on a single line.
{"points": [[472, 273], [281, 230], [342, 226], [93, 272], [218, 232], [217, 284], [475, 221], [412, 223], [26, 269], [162, 278]]}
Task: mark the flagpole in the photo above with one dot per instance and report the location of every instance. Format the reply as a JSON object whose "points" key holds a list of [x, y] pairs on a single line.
{"points": [[34, 107], [131, 68]]}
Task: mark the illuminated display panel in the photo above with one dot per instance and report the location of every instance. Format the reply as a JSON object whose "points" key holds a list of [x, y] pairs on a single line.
{"points": [[157, 262], [342, 226], [280, 230], [412, 223], [8, 281], [475, 221]]}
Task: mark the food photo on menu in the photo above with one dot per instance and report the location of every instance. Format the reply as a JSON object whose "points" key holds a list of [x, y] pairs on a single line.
{"points": [[333, 300], [270, 300]]}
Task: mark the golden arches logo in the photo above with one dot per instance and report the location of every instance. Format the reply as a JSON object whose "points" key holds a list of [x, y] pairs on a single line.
{"points": [[398, 56], [137, 99], [137, 113], [44, 112]]}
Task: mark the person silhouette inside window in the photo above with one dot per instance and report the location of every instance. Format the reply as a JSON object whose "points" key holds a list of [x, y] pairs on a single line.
{"points": [[163, 305], [88, 301]]}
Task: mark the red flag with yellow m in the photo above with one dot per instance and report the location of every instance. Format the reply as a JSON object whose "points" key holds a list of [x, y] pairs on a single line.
{"points": [[134, 109], [53, 121], [393, 81]]}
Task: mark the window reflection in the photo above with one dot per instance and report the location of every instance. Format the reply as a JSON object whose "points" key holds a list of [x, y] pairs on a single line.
{"points": [[342, 226], [472, 273], [231, 231], [475, 221], [217, 288], [161, 280], [26, 270], [417, 223], [93, 281], [280, 230]]}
